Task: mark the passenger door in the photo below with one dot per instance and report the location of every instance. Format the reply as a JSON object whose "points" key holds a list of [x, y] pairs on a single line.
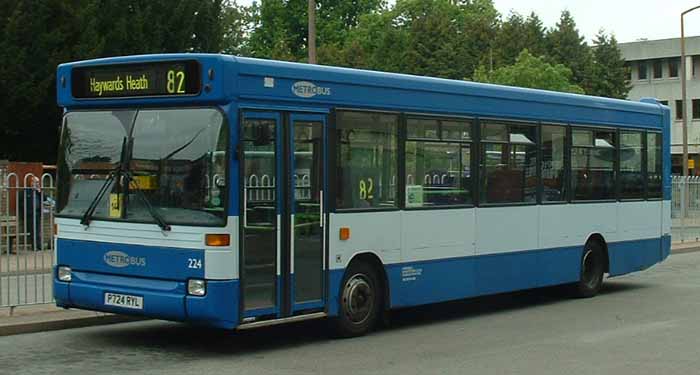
{"points": [[282, 214]]}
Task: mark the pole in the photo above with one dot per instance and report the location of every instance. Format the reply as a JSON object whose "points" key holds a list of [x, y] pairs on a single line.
{"points": [[312, 32], [684, 107], [684, 94], [683, 100]]}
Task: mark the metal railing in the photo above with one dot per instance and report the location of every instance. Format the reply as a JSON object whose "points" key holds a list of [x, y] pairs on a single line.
{"points": [[685, 209], [26, 239]]}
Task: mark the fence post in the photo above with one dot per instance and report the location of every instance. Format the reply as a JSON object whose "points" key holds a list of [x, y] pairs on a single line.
{"points": [[683, 191]]}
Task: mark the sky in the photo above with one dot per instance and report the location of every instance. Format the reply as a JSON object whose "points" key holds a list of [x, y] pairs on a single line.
{"points": [[629, 20]]}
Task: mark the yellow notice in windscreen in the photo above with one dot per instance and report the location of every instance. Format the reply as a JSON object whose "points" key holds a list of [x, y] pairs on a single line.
{"points": [[116, 202]]}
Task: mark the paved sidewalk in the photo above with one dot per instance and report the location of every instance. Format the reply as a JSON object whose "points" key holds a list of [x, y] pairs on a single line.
{"points": [[48, 317], [685, 247]]}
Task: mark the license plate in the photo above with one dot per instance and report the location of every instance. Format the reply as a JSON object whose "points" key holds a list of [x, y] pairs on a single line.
{"points": [[124, 300]]}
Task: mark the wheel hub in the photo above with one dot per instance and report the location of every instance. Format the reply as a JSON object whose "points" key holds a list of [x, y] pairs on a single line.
{"points": [[358, 298]]}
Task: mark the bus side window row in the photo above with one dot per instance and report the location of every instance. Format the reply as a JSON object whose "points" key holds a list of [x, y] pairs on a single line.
{"points": [[438, 162]]}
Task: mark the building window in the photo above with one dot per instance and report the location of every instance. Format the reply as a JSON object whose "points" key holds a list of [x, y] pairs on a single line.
{"points": [[658, 69], [631, 172], [553, 171], [694, 64], [593, 164], [628, 72], [679, 110], [696, 108], [642, 70], [508, 162], [664, 102], [654, 166], [673, 68], [438, 161], [367, 160]]}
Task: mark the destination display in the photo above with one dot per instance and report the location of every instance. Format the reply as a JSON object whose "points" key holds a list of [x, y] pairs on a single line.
{"points": [[171, 78]]}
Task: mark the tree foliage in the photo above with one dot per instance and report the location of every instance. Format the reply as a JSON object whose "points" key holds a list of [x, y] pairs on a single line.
{"points": [[533, 72], [280, 27], [565, 45], [435, 38], [515, 35], [609, 73]]}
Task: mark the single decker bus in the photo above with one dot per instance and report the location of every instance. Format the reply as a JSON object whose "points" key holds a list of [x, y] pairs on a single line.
{"points": [[238, 193]]}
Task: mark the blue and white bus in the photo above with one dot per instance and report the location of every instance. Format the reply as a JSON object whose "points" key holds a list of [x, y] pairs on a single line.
{"points": [[238, 193]]}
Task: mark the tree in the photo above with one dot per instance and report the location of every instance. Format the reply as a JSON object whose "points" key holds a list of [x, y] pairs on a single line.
{"points": [[127, 27], [609, 74], [235, 20], [515, 35], [280, 27], [533, 72], [35, 38], [434, 38], [566, 46]]}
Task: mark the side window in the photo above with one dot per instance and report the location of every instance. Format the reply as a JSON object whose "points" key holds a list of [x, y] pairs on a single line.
{"points": [[654, 168], [642, 70], [593, 164], [553, 170], [508, 162], [438, 157], [367, 160], [631, 172]]}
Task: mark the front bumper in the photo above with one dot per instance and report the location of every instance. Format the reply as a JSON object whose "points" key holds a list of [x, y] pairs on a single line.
{"points": [[162, 299]]}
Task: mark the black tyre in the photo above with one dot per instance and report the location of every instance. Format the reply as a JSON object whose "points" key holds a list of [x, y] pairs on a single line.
{"points": [[592, 271], [361, 297]]}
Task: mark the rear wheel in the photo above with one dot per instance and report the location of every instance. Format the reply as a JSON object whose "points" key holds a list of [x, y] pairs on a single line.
{"points": [[360, 301], [592, 270]]}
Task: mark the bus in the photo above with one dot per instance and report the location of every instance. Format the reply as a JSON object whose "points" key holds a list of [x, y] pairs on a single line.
{"points": [[238, 193]]}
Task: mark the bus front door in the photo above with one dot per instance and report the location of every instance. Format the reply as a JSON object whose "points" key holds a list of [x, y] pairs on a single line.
{"points": [[282, 222]]}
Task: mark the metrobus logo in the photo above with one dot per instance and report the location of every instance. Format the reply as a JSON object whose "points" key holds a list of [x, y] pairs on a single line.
{"points": [[119, 259], [305, 89]]}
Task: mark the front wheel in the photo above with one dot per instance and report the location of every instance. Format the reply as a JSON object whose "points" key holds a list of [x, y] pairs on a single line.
{"points": [[592, 271], [360, 301]]}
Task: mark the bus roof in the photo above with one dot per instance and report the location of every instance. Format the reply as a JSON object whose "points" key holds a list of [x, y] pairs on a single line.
{"points": [[248, 80]]}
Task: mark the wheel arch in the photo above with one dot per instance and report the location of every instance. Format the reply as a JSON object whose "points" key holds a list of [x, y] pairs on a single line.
{"points": [[371, 258]]}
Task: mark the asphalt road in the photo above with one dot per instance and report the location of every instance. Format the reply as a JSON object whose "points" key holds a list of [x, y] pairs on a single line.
{"points": [[647, 323]]}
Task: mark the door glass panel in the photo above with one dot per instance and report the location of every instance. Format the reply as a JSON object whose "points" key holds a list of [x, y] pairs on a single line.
{"points": [[260, 216], [308, 232]]}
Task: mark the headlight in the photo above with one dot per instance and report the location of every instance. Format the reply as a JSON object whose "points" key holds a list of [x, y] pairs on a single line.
{"points": [[64, 273], [196, 287]]}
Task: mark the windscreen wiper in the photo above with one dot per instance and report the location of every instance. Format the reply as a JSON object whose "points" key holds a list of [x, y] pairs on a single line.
{"points": [[87, 216], [113, 175], [170, 155], [151, 210]]}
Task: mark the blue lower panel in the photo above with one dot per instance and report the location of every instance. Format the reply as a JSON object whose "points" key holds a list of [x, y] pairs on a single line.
{"points": [[631, 256], [218, 308], [665, 246], [162, 299], [435, 281], [335, 277], [418, 283]]}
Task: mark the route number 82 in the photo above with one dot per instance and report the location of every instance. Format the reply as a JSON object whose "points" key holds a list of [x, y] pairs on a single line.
{"points": [[176, 82], [366, 188]]}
